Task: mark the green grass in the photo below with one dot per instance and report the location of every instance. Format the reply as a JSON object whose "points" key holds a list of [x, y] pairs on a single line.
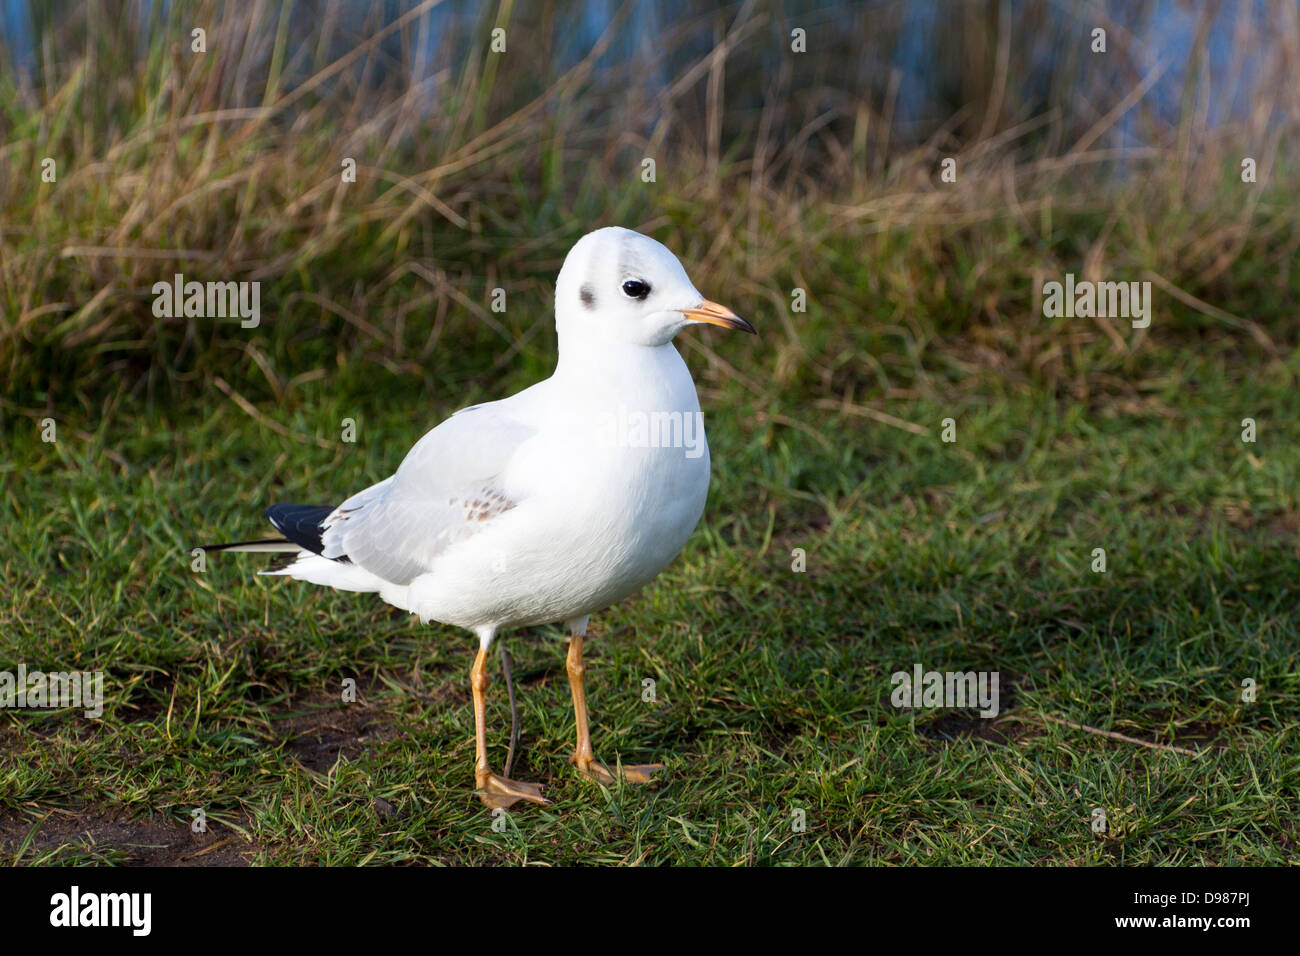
{"points": [[772, 686]]}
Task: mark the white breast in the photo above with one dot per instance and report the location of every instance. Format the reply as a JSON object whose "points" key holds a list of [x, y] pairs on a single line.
{"points": [[605, 504]]}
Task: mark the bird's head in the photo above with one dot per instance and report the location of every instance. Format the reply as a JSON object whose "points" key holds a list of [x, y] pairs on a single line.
{"points": [[620, 286]]}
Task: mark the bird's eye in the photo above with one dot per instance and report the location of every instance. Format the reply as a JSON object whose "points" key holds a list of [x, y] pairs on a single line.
{"points": [[636, 289]]}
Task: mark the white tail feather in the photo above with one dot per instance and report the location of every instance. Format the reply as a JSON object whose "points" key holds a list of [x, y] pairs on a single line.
{"points": [[329, 573]]}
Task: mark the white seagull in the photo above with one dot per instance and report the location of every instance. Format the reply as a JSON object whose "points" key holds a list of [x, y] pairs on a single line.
{"points": [[546, 506]]}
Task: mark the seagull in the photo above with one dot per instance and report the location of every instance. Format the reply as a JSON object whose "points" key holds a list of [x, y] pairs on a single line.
{"points": [[549, 505]]}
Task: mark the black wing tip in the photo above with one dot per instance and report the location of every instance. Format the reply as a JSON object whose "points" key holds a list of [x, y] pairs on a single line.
{"points": [[301, 524]]}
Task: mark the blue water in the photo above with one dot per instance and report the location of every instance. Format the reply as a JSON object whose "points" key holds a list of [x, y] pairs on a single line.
{"points": [[1166, 30]]}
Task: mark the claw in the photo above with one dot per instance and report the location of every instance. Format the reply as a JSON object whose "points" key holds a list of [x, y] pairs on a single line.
{"points": [[498, 791], [595, 770]]}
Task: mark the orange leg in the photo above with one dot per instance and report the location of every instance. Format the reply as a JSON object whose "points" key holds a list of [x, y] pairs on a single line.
{"points": [[582, 757], [495, 790]]}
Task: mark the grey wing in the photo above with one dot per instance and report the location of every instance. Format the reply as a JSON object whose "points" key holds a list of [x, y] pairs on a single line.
{"points": [[448, 485]]}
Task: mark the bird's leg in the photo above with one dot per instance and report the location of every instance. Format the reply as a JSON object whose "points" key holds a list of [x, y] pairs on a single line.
{"points": [[495, 790], [582, 757]]}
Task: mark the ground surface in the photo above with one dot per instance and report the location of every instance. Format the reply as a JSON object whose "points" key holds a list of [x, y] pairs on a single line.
{"points": [[772, 686]]}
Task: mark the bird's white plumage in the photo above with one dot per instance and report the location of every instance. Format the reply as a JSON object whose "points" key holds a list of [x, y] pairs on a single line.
{"points": [[522, 511]]}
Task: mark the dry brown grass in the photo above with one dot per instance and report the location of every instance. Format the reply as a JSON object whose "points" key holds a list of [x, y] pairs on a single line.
{"points": [[474, 169]]}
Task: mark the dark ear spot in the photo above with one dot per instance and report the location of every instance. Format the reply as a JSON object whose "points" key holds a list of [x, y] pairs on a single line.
{"points": [[588, 296]]}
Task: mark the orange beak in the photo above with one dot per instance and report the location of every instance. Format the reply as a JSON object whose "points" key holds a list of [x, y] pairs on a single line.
{"points": [[714, 314]]}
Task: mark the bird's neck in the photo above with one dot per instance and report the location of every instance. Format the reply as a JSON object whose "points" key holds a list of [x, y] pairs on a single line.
{"points": [[653, 374], [585, 358]]}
